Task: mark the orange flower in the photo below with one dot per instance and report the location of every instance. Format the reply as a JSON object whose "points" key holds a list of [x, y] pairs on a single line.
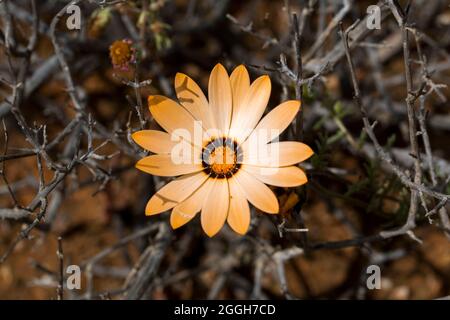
{"points": [[231, 150], [122, 53]]}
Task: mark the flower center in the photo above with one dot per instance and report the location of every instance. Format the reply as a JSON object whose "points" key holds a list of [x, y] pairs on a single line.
{"points": [[221, 158]]}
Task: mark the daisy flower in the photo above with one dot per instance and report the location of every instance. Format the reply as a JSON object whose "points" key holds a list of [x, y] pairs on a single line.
{"points": [[221, 151]]}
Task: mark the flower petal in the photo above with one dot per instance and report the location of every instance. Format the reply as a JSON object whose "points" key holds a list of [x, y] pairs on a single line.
{"points": [[240, 84], [277, 154], [155, 141], [253, 106], [175, 119], [256, 192], [215, 207], [280, 177], [220, 98], [239, 211], [192, 98], [188, 209], [275, 122], [174, 192], [163, 165]]}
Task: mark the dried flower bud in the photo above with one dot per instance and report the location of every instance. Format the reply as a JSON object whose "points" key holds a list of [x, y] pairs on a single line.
{"points": [[122, 53]]}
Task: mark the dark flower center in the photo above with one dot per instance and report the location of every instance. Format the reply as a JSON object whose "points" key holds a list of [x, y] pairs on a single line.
{"points": [[221, 157]]}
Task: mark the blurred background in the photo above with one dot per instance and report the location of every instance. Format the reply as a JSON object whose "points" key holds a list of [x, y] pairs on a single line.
{"points": [[67, 160]]}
